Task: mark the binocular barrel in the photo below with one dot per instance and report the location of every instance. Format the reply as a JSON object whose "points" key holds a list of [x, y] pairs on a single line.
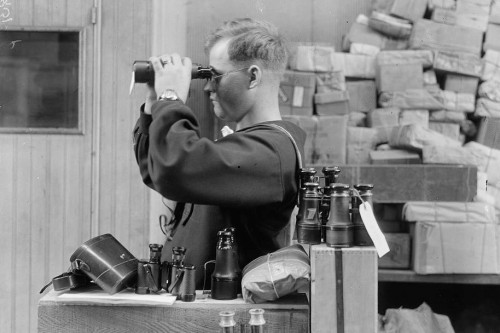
{"points": [[144, 72]]}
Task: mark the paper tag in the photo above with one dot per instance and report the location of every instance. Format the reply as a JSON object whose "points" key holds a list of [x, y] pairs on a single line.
{"points": [[298, 96], [378, 238]]}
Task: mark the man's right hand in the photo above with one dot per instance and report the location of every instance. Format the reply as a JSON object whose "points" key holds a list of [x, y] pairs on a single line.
{"points": [[172, 72]]}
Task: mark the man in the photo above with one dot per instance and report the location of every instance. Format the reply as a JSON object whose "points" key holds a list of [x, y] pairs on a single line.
{"points": [[247, 179]]}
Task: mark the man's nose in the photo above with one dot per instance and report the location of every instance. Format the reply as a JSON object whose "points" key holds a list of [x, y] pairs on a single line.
{"points": [[208, 86]]}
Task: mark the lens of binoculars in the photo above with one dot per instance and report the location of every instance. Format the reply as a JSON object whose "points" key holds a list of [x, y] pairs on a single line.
{"points": [[144, 72]]}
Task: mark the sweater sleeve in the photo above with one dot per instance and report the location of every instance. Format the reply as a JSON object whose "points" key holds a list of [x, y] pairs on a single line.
{"points": [[241, 169]]}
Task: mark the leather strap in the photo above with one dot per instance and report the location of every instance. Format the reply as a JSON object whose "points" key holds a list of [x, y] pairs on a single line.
{"points": [[339, 289]]}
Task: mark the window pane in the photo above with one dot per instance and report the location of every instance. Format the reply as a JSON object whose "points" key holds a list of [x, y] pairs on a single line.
{"points": [[39, 79]]}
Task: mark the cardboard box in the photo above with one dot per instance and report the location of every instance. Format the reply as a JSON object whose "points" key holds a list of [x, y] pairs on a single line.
{"points": [[412, 10], [422, 99], [430, 35], [363, 34], [424, 57], [330, 81], [440, 211], [399, 254], [491, 41], [461, 83], [488, 133], [360, 141], [394, 156], [418, 117], [447, 129], [341, 280], [490, 158], [296, 93], [458, 63], [383, 117], [331, 103], [311, 58], [355, 65], [455, 248], [444, 15], [399, 77], [402, 183], [473, 14], [447, 116], [362, 95]]}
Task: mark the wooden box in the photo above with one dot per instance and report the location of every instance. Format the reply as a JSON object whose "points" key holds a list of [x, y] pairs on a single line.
{"points": [[289, 314], [343, 289]]}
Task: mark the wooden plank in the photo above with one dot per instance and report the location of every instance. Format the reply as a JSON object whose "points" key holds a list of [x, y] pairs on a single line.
{"points": [[289, 314], [392, 275], [7, 230]]}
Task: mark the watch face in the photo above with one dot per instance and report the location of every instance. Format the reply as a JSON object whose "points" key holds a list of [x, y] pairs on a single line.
{"points": [[169, 95]]}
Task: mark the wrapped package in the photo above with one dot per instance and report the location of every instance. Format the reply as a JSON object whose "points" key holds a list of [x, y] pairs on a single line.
{"points": [[429, 35], [361, 33], [390, 25], [421, 319], [412, 10], [357, 119], [490, 89], [447, 116], [488, 132], [455, 248], [362, 95], [473, 14], [399, 77], [491, 158], [487, 108], [415, 137], [458, 63], [430, 77], [275, 275], [412, 99], [355, 65], [364, 49], [394, 156], [360, 141], [335, 102], [458, 102], [435, 4], [450, 130], [383, 117], [425, 57], [330, 81], [311, 58], [419, 117], [438, 211], [296, 93], [461, 83], [438, 154], [491, 65], [494, 12], [444, 16], [491, 40]]}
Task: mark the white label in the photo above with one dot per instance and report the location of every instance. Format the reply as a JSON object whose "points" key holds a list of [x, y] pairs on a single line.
{"points": [[378, 238], [310, 213], [298, 96]]}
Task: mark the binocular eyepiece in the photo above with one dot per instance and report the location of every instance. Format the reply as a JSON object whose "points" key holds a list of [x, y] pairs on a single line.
{"points": [[144, 72]]}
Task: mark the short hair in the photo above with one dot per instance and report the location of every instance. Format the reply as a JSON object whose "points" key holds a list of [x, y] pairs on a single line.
{"points": [[252, 40]]}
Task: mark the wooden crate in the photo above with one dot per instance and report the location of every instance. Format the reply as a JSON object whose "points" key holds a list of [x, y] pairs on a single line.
{"points": [[289, 314], [343, 289]]}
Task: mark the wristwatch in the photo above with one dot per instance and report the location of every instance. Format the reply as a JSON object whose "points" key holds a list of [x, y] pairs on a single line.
{"points": [[169, 95]]}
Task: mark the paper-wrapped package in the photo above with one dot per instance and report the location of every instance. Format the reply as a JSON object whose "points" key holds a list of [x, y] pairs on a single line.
{"points": [[448, 129], [383, 117], [394, 156], [399, 77], [491, 65], [419, 117], [490, 89], [311, 58], [430, 77], [447, 116], [364, 49], [439, 211], [473, 14], [390, 25], [444, 15], [438, 154], [296, 93], [491, 159], [357, 119], [421, 319], [458, 102], [362, 95], [430, 35], [487, 108], [458, 63], [328, 81], [495, 12], [425, 57], [415, 137], [491, 40], [361, 33], [412, 99], [354, 65], [412, 10], [360, 141], [335, 102], [461, 83], [275, 275]]}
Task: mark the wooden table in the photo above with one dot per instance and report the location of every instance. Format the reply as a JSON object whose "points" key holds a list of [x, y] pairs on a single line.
{"points": [[57, 314]]}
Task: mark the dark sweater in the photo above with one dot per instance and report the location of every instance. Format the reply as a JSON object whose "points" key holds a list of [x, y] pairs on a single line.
{"points": [[247, 179]]}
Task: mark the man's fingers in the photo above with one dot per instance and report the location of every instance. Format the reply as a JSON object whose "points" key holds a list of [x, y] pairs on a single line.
{"points": [[157, 63]]}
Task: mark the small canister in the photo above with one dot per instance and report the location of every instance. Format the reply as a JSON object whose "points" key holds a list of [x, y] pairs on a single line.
{"points": [[366, 193], [340, 200], [339, 235]]}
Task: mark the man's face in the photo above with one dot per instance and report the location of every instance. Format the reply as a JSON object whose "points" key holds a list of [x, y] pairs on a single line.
{"points": [[228, 92]]}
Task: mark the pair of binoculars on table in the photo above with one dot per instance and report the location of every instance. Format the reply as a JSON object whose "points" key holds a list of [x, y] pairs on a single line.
{"points": [[175, 277], [144, 72]]}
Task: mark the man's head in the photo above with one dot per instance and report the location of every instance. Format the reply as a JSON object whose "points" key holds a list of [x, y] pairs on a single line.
{"points": [[248, 58]]}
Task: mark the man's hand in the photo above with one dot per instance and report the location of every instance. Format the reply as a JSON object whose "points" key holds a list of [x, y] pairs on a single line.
{"points": [[172, 72]]}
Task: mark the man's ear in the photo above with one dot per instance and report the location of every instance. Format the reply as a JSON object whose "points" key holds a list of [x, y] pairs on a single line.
{"points": [[255, 76]]}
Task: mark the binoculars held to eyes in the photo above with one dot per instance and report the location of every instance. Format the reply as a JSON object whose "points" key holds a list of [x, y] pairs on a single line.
{"points": [[144, 72]]}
